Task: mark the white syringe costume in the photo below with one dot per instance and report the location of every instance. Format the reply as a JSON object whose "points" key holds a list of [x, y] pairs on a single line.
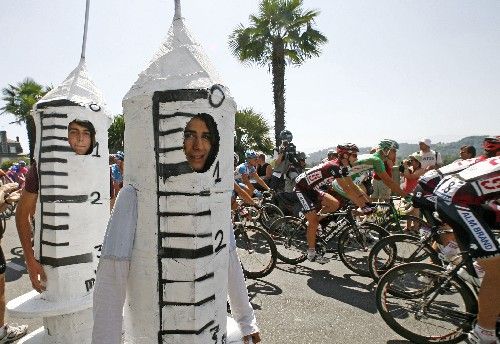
{"points": [[177, 288], [71, 212]]}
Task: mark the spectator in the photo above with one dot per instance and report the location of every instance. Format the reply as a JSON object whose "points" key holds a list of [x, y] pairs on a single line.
{"points": [[380, 190], [411, 170], [467, 152], [22, 167], [117, 173], [430, 158], [331, 155], [264, 171], [296, 168]]}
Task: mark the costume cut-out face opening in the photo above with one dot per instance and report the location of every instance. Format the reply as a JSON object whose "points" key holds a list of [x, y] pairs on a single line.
{"points": [[201, 142], [81, 136]]}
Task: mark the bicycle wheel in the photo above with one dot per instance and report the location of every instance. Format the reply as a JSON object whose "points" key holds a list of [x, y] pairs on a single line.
{"points": [[423, 310], [398, 249], [256, 250], [406, 224], [289, 234], [268, 214], [354, 244]]}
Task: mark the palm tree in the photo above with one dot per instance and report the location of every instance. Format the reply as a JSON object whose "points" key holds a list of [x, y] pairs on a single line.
{"points": [[251, 132], [19, 101], [281, 33]]}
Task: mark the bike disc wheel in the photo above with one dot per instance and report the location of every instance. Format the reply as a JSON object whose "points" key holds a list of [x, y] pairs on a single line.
{"points": [[256, 250], [421, 310], [289, 234], [398, 249], [354, 244]]}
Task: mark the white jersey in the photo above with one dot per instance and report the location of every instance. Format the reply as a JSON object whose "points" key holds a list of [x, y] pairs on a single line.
{"points": [[430, 158]]}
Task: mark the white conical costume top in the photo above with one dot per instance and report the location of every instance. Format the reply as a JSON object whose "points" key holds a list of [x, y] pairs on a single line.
{"points": [[71, 211], [177, 287]]}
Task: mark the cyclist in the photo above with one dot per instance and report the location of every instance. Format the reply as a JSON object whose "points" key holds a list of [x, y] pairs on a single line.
{"points": [[310, 189], [469, 203], [386, 150], [424, 198], [247, 171]]}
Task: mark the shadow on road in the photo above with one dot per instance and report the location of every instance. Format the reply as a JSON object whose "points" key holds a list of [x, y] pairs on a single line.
{"points": [[398, 341], [346, 290], [18, 259]]}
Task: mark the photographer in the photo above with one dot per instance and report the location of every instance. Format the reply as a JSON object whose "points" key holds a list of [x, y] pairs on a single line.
{"points": [[411, 169], [284, 155]]}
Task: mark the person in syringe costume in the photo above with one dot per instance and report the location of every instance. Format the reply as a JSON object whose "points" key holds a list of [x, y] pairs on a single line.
{"points": [[166, 245]]}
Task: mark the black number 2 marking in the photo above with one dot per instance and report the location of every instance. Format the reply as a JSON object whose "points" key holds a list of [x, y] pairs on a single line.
{"points": [[220, 246], [216, 172], [97, 198]]}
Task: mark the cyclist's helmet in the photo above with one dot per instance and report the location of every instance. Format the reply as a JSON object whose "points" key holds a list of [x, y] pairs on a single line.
{"points": [[22, 163], [286, 135], [236, 158], [250, 154], [347, 148], [331, 152], [491, 143], [386, 144]]}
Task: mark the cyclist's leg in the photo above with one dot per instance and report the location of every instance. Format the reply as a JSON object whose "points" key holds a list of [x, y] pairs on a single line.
{"points": [[473, 234]]}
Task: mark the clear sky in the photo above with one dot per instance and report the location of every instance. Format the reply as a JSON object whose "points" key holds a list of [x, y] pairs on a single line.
{"points": [[398, 69]]}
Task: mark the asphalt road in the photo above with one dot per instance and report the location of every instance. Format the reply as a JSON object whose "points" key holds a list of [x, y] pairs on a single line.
{"points": [[306, 303]]}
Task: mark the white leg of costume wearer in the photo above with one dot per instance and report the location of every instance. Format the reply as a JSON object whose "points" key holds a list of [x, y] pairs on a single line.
{"points": [[241, 308], [112, 272]]}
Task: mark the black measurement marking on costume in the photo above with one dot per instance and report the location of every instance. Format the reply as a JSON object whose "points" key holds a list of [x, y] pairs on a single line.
{"points": [[97, 196], [171, 170], [199, 279], [170, 149], [177, 193], [54, 187], [56, 103], [94, 107], [60, 138], [54, 126], [55, 227], [175, 114], [96, 150], [213, 89], [216, 172], [220, 246], [215, 331], [185, 235], [53, 173], [197, 332], [64, 199], [53, 115], [48, 213], [185, 253], [99, 249], [55, 148], [49, 243], [173, 213], [60, 160], [89, 284], [64, 261], [170, 132], [196, 304]]}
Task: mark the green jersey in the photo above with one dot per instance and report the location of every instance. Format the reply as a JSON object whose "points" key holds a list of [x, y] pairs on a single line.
{"points": [[359, 171]]}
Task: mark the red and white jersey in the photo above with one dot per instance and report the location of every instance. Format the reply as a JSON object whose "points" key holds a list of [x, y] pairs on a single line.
{"points": [[321, 176]]}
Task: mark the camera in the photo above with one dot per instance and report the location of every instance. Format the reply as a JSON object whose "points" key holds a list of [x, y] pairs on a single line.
{"points": [[402, 166]]}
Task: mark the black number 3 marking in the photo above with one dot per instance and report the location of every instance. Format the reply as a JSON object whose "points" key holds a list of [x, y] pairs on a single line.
{"points": [[97, 198], [220, 246]]}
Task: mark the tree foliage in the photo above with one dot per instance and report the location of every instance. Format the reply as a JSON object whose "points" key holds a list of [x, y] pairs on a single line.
{"points": [[282, 32], [116, 133], [19, 100], [251, 132]]}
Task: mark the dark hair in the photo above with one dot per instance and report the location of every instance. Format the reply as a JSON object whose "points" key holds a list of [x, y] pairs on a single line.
{"points": [[88, 125], [214, 138], [471, 150]]}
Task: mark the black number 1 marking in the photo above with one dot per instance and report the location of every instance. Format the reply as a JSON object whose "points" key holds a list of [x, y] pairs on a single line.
{"points": [[216, 172], [96, 150]]}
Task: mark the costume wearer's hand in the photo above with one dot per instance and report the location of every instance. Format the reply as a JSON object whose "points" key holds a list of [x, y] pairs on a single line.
{"points": [[37, 275], [254, 337]]}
